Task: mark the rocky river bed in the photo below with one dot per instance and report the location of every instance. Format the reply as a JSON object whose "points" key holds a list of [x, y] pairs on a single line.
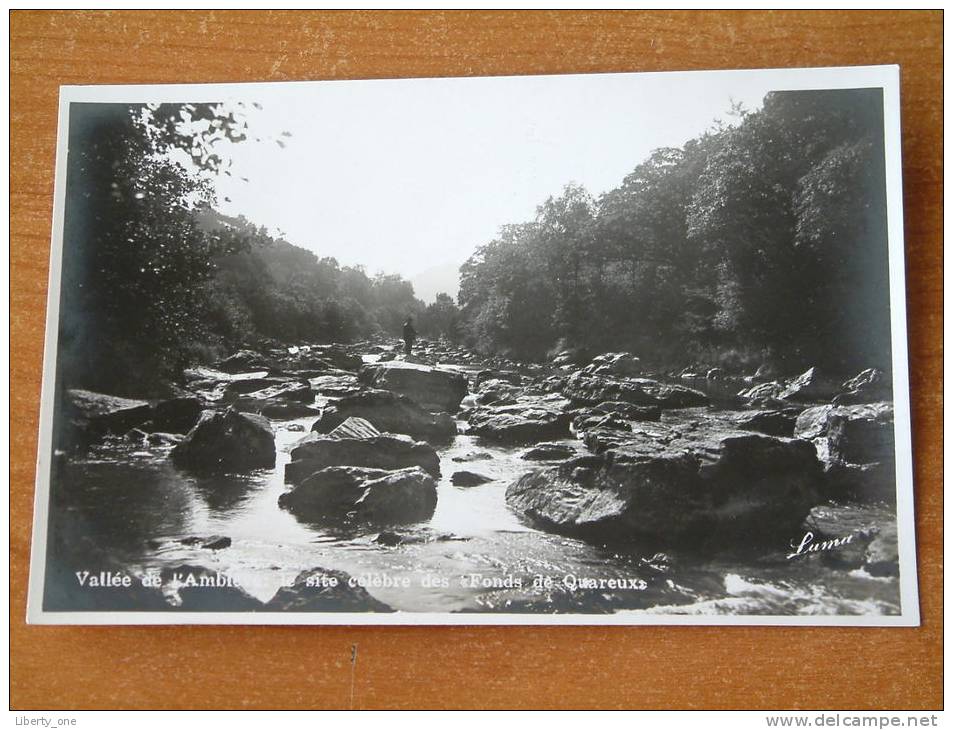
{"points": [[347, 478]]}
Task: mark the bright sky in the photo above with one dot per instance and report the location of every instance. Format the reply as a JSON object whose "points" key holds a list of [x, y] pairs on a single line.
{"points": [[404, 176]]}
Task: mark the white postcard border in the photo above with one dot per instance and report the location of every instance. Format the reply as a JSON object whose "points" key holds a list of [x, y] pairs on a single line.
{"points": [[885, 77]]}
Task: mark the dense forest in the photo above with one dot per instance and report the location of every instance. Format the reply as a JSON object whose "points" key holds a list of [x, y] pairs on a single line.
{"points": [[154, 279], [762, 241]]}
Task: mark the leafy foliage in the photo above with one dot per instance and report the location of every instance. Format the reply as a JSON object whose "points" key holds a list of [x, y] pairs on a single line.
{"points": [[765, 240], [136, 260]]}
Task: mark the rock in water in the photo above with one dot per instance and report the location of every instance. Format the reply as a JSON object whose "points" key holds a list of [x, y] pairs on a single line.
{"points": [[429, 387], [227, 441], [355, 428], [388, 412], [529, 419], [548, 452], [177, 415], [861, 434], [320, 591], [594, 389], [856, 445], [737, 491], [363, 495], [383, 451], [468, 479]]}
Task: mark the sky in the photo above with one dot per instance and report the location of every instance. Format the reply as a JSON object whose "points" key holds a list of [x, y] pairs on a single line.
{"points": [[406, 176]]}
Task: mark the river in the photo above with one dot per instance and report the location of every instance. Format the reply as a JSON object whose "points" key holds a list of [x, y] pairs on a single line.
{"points": [[474, 555]]}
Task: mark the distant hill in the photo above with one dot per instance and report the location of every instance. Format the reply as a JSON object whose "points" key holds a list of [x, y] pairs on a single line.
{"points": [[431, 282]]}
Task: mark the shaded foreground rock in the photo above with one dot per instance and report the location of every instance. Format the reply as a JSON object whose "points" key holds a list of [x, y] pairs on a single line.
{"points": [[363, 495], [388, 412], [867, 537], [321, 590], [721, 490], [227, 441], [176, 415], [432, 388], [91, 416], [358, 445], [856, 445], [197, 588]]}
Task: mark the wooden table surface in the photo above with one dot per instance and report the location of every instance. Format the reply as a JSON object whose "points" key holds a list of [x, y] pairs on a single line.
{"points": [[504, 667]]}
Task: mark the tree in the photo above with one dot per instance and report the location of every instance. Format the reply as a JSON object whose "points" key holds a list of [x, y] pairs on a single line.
{"points": [[136, 257], [762, 238]]}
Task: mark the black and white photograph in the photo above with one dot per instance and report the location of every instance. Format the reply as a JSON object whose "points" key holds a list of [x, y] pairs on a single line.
{"points": [[586, 349]]}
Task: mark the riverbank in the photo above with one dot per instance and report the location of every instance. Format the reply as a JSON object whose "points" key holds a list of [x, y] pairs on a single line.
{"points": [[592, 488]]}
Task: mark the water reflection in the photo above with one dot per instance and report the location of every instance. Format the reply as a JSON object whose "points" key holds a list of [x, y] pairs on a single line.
{"points": [[225, 494], [130, 507]]}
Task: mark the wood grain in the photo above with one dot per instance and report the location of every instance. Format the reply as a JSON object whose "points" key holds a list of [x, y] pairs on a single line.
{"points": [[558, 667]]}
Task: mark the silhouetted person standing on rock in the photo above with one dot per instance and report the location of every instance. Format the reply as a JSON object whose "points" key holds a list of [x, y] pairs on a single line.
{"points": [[410, 334]]}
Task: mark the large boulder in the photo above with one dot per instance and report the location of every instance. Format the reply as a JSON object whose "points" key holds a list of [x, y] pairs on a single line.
{"points": [[528, 420], [338, 356], [389, 412], [432, 388], [861, 434], [335, 386], [495, 392], [92, 416], [856, 445], [176, 415], [592, 390], [854, 434], [717, 489], [357, 443], [512, 377], [365, 495], [227, 441]]}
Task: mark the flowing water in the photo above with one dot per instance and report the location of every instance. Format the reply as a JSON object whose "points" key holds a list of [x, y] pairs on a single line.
{"points": [[131, 504]]}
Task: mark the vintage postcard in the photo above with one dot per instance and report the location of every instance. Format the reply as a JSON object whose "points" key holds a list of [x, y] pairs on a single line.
{"points": [[586, 349]]}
